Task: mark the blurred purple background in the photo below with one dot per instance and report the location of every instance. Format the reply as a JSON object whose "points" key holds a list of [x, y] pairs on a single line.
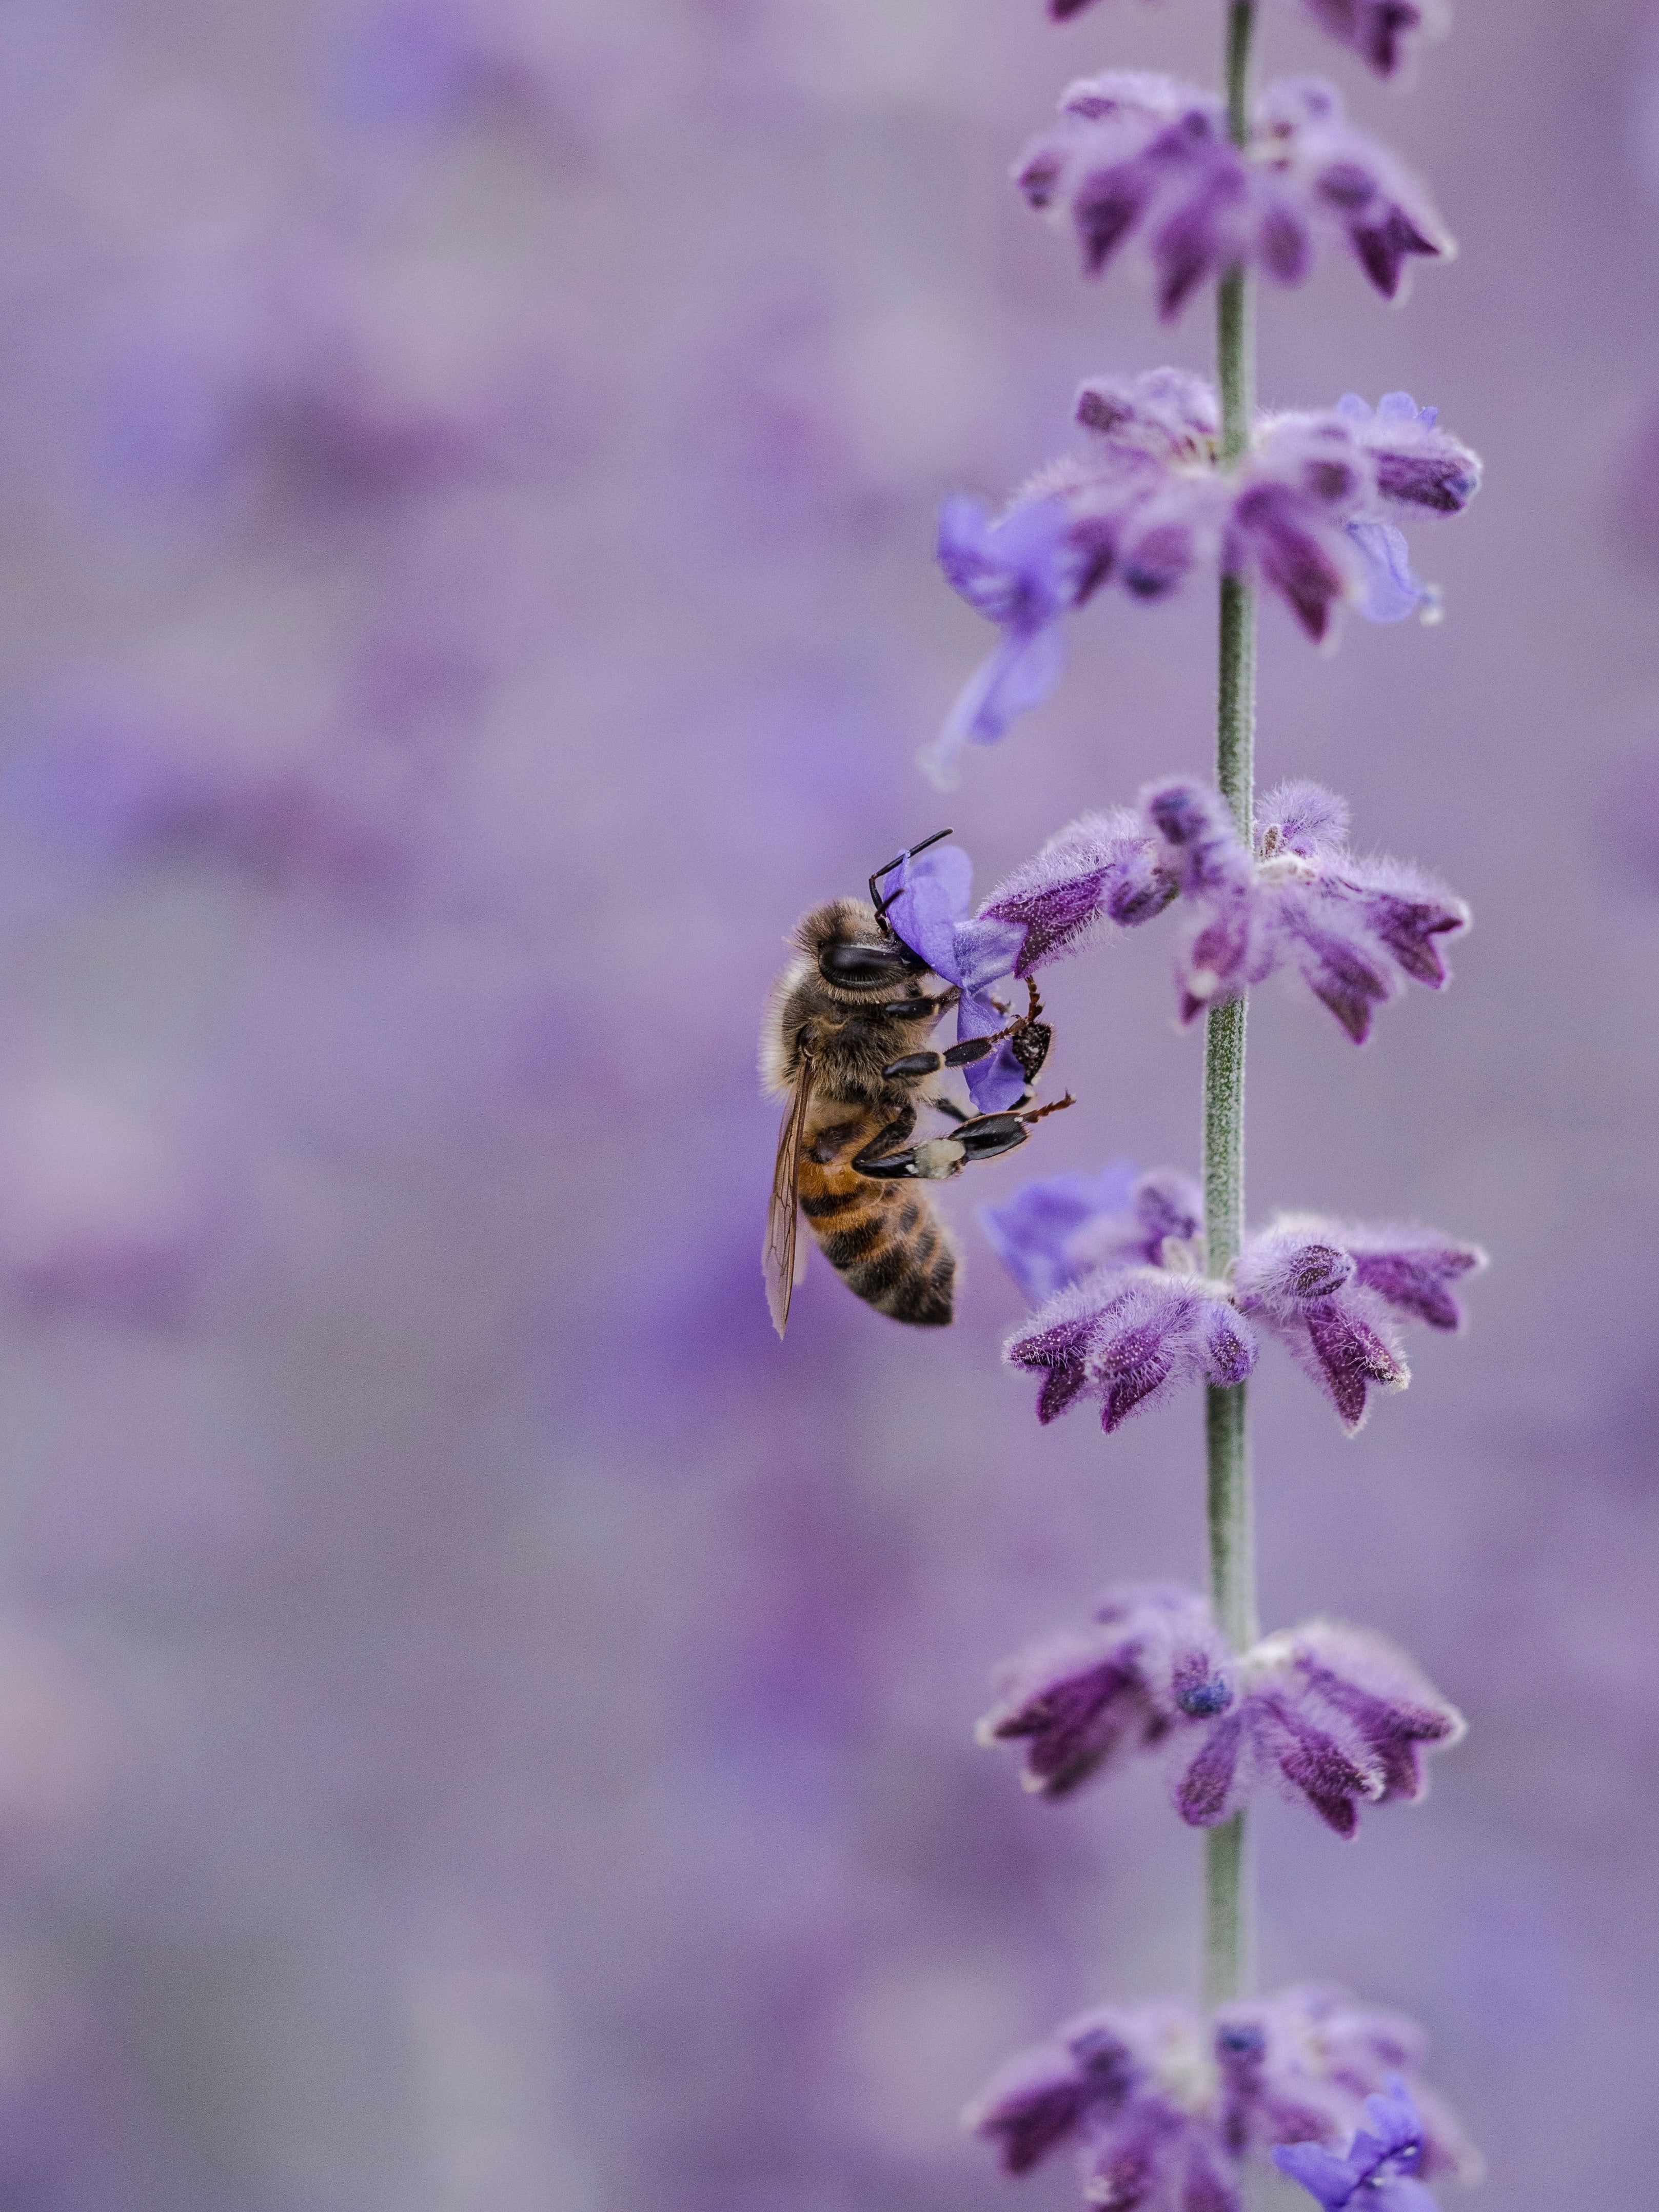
{"points": [[482, 1726]]}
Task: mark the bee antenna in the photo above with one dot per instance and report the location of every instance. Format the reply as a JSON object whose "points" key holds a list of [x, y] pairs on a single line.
{"points": [[910, 853]]}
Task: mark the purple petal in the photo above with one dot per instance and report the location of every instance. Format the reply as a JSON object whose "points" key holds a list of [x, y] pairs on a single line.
{"points": [[1207, 1792], [1031, 2106], [932, 895], [1388, 591], [1321, 2173], [1031, 1231], [1022, 672]]}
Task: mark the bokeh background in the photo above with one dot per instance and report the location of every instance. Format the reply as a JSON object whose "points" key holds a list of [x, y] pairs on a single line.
{"points": [[483, 1726]]}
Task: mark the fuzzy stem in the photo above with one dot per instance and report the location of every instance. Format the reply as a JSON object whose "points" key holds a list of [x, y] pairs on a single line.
{"points": [[1232, 1563]]}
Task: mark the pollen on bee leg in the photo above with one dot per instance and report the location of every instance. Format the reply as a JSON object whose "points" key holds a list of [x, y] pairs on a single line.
{"points": [[939, 1158]]}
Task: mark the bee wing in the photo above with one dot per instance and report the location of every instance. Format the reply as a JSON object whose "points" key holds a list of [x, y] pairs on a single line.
{"points": [[784, 1213]]}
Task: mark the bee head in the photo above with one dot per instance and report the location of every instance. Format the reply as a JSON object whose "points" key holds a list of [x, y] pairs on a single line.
{"points": [[854, 951]]}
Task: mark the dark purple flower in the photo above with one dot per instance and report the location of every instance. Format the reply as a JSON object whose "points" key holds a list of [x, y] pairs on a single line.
{"points": [[1354, 929], [1330, 1714], [1153, 1662], [1100, 869], [1022, 573], [1382, 2165], [1330, 1293], [929, 912], [1135, 153], [1130, 1337], [1383, 32], [1166, 2109], [1317, 175]]}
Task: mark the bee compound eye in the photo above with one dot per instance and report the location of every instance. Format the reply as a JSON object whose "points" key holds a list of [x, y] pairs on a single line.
{"points": [[877, 962]]}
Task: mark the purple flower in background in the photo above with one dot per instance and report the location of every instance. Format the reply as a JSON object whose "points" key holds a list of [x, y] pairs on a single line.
{"points": [[1332, 1714], [1380, 2167], [929, 912], [1080, 1701], [1127, 1317], [1030, 1233], [1330, 1293], [1355, 930], [1309, 512], [1135, 153], [1021, 572], [1383, 32], [1166, 2109]]}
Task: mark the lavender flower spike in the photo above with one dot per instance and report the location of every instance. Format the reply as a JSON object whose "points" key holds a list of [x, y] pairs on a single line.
{"points": [[1380, 2167], [1020, 573], [1080, 1703], [1130, 1338]]}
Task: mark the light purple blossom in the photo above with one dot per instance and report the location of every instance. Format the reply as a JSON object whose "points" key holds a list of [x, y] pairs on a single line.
{"points": [[1310, 513], [1021, 572], [1166, 2110], [1355, 929], [1384, 33], [1129, 1317], [929, 912], [1136, 154], [1332, 1714], [1383, 2161], [1083, 1701]]}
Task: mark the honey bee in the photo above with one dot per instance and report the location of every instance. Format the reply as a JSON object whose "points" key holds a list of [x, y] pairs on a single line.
{"points": [[845, 1043]]}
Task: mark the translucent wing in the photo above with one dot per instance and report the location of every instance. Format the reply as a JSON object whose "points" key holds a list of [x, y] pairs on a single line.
{"points": [[783, 1215]]}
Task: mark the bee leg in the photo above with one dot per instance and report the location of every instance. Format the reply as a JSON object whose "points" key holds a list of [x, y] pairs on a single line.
{"points": [[950, 1106], [875, 1158], [933, 1063]]}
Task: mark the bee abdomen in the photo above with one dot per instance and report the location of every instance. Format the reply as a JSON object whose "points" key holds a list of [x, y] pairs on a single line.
{"points": [[889, 1247]]}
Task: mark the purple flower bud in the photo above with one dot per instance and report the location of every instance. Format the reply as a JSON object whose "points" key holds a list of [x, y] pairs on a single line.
{"points": [[1032, 2106], [1330, 176], [1354, 929], [1332, 1714], [1420, 469], [1100, 870], [1326, 1291], [1154, 1662]]}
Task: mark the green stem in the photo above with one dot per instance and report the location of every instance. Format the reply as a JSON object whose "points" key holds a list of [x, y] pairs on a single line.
{"points": [[1232, 1563]]}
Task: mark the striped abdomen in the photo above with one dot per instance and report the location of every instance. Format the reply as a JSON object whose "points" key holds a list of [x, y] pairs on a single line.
{"points": [[883, 1239]]}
